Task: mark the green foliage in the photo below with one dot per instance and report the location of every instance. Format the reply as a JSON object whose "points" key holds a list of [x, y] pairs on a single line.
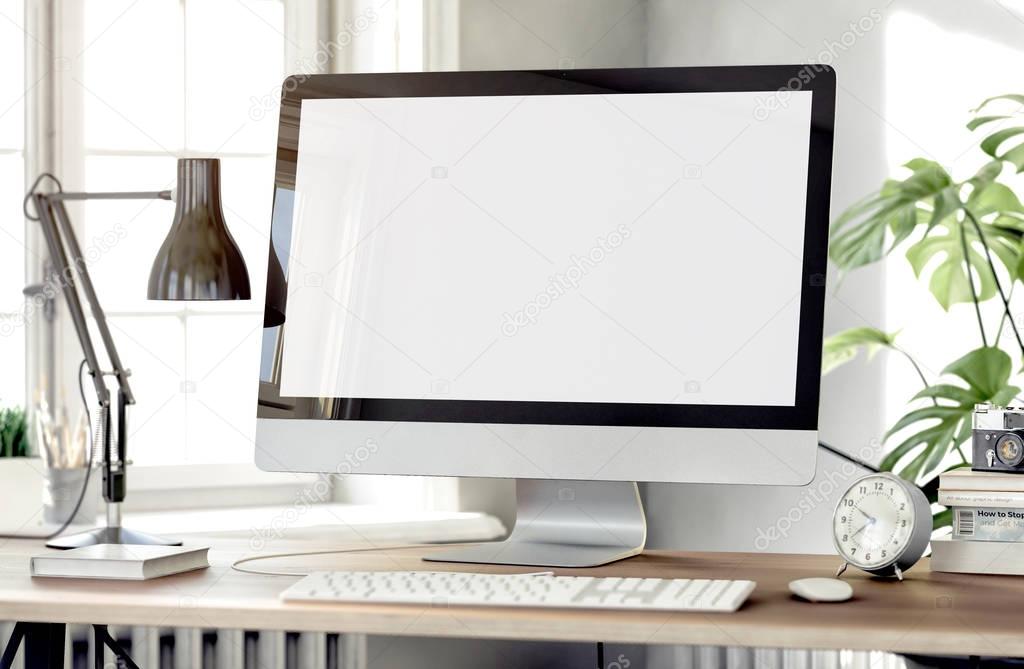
{"points": [[929, 201], [1004, 144], [946, 424], [859, 236], [942, 519], [844, 346], [13, 433], [965, 239]]}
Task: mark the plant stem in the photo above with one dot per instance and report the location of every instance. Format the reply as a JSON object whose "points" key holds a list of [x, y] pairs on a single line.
{"points": [[917, 368], [924, 382], [970, 282], [1002, 319], [992, 268]]}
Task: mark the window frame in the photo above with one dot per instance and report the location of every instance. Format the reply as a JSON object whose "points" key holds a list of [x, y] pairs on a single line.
{"points": [[55, 143], [59, 40]]}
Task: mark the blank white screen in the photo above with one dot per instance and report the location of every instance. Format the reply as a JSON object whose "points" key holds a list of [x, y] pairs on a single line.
{"points": [[581, 248]]}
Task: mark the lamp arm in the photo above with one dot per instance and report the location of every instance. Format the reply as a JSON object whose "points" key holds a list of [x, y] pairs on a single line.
{"points": [[66, 254], [45, 214], [71, 241], [114, 195], [57, 229]]}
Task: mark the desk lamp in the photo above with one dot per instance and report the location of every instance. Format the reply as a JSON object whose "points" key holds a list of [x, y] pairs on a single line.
{"points": [[199, 260]]}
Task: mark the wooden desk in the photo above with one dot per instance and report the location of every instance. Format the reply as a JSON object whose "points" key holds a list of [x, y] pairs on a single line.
{"points": [[931, 613]]}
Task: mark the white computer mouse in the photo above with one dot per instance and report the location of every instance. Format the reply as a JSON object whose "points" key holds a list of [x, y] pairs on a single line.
{"points": [[821, 589]]}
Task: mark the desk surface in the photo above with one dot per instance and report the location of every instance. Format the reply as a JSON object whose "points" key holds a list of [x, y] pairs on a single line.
{"points": [[929, 612]]}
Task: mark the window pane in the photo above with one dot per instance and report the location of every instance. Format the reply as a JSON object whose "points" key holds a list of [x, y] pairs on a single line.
{"points": [[410, 31], [230, 70], [223, 369], [12, 84], [12, 363], [925, 116], [153, 347], [248, 193], [12, 223], [120, 238], [12, 232], [132, 88]]}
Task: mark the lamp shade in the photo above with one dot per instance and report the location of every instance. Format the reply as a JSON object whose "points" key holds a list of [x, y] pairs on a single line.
{"points": [[199, 259]]}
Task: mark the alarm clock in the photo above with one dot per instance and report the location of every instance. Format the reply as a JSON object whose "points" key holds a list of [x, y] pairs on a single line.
{"points": [[882, 525]]}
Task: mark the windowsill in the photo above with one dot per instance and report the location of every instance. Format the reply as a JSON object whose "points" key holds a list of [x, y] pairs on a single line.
{"points": [[261, 526]]}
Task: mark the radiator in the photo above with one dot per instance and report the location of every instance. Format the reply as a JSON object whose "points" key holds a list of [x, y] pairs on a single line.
{"points": [[717, 657], [190, 648]]}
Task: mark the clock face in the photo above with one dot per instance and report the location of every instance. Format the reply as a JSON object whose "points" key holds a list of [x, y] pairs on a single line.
{"points": [[873, 522]]}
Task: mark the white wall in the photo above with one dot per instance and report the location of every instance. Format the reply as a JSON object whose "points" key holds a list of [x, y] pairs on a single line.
{"points": [[523, 34]]}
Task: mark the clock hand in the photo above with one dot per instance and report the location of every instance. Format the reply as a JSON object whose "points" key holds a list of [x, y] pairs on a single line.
{"points": [[862, 528], [865, 514]]}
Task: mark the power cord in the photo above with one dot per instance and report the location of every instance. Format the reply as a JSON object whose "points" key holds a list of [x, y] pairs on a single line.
{"points": [[85, 483]]}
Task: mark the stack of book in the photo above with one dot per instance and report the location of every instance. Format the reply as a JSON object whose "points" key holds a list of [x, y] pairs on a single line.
{"points": [[988, 523]]}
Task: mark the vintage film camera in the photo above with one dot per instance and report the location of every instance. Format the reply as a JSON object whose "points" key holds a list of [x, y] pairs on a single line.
{"points": [[998, 439]]}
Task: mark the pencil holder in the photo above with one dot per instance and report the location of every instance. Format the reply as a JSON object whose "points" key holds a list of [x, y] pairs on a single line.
{"points": [[61, 489]]}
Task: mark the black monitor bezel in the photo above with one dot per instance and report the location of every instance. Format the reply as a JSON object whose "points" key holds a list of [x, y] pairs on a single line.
{"points": [[777, 81]]}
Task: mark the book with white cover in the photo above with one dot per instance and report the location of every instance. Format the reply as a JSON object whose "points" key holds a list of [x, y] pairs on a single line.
{"points": [[968, 479], [990, 498], [978, 557], [117, 561], [975, 523]]}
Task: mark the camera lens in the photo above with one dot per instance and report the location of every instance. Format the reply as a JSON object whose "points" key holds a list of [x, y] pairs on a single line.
{"points": [[1010, 449]]}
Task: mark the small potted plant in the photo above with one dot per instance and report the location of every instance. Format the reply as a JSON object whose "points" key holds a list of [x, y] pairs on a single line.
{"points": [[21, 474], [13, 433]]}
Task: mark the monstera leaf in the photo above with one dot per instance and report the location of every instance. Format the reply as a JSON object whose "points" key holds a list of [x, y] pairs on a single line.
{"points": [[984, 373], [1005, 233], [927, 197], [1007, 143], [950, 281], [843, 347]]}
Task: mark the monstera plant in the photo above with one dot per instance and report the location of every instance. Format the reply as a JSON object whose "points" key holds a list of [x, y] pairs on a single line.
{"points": [[965, 239]]}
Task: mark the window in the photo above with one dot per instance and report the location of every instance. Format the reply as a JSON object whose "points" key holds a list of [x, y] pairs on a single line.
{"points": [[131, 87], [142, 84], [927, 107], [12, 179], [153, 82]]}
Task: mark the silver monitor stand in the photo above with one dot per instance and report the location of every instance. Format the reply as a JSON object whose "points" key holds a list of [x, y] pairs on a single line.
{"points": [[566, 524]]}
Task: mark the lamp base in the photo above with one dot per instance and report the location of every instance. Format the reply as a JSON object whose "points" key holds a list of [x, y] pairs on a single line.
{"points": [[109, 535]]}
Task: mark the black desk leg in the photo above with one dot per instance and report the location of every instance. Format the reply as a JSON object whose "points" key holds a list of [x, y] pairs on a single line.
{"points": [[103, 638], [44, 646], [12, 646]]}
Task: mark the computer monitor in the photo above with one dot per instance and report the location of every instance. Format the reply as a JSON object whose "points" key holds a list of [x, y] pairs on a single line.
{"points": [[578, 279]]}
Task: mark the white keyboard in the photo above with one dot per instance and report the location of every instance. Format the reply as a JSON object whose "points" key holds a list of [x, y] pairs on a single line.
{"points": [[522, 590]]}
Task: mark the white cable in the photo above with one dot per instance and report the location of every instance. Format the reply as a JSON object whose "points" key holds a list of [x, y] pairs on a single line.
{"points": [[336, 551]]}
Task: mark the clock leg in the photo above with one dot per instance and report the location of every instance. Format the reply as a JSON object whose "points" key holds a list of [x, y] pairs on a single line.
{"points": [[899, 572], [841, 569]]}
